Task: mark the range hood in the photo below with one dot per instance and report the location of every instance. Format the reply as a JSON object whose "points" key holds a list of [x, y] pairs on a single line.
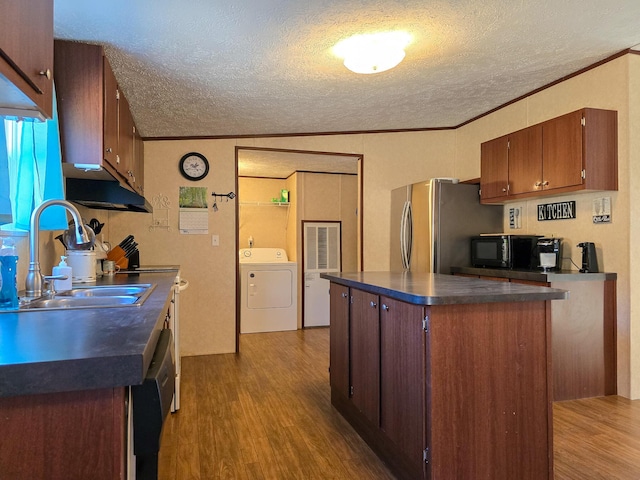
{"points": [[105, 195]]}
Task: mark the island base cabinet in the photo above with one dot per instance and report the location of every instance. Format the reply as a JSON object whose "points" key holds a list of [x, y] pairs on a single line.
{"points": [[402, 382], [71, 435], [465, 391], [489, 396]]}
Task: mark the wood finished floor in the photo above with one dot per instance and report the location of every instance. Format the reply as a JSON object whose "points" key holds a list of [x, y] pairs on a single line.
{"points": [[266, 414]]}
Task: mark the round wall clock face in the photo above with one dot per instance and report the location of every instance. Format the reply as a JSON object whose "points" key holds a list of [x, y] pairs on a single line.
{"points": [[194, 166]]}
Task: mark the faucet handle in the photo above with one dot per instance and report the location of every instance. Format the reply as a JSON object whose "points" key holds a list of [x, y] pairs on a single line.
{"points": [[49, 280]]}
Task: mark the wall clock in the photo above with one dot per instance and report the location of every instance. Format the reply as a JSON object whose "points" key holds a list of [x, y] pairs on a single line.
{"points": [[194, 166]]}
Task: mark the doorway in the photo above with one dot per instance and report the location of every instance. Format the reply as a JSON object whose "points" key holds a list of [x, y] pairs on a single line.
{"points": [[264, 176]]}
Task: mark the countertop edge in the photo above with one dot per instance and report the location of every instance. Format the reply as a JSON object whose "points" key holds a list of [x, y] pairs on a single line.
{"points": [[537, 276], [444, 289], [97, 366]]}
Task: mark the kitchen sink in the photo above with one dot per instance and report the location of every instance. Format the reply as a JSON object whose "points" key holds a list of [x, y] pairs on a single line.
{"points": [[92, 297]]}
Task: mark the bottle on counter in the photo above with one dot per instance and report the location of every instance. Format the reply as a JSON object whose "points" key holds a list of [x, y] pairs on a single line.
{"points": [[63, 269], [9, 275]]}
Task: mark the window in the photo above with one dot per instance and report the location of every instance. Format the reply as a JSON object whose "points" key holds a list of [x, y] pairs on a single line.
{"points": [[30, 172]]}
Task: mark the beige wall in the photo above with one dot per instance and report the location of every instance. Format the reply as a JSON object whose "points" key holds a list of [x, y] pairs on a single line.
{"points": [[265, 221], [391, 160], [606, 87]]}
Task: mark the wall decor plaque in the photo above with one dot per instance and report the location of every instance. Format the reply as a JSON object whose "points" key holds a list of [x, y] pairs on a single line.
{"points": [[557, 211]]}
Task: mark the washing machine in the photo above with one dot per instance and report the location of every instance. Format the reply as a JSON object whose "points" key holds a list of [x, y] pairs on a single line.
{"points": [[268, 291]]}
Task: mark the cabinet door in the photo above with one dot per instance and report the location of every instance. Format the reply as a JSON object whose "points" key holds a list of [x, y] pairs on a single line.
{"points": [[69, 435], [125, 139], [79, 87], [525, 160], [138, 162], [110, 132], [402, 382], [562, 151], [494, 167], [365, 355], [26, 48], [339, 343]]}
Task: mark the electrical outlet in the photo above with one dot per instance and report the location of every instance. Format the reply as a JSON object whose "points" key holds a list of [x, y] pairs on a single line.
{"points": [[215, 240]]}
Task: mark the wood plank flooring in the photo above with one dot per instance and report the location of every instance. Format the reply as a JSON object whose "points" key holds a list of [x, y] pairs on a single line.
{"points": [[266, 414]]}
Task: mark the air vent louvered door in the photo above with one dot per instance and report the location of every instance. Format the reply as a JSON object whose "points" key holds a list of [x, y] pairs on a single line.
{"points": [[321, 254]]}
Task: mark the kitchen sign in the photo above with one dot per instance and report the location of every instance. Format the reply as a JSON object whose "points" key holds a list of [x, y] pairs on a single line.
{"points": [[557, 211]]}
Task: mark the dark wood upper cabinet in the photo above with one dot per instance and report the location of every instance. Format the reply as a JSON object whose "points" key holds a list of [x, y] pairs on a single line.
{"points": [[125, 140], [26, 57], [576, 151], [494, 164], [525, 160], [96, 125], [110, 130]]}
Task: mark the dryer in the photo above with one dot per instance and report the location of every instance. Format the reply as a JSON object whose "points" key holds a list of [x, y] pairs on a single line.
{"points": [[268, 291]]}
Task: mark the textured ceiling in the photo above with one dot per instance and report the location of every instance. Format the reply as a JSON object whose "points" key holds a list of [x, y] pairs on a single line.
{"points": [[243, 67], [278, 164]]}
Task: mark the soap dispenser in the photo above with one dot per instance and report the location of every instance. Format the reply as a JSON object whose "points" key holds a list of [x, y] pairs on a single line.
{"points": [[8, 275], [63, 269]]}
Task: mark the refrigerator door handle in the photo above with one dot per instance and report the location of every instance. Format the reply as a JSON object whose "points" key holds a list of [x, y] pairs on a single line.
{"points": [[406, 235]]}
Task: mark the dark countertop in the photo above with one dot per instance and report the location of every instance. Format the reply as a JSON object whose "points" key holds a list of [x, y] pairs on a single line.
{"points": [[537, 276], [437, 289], [81, 349]]}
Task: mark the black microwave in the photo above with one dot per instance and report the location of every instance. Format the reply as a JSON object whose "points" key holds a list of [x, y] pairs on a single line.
{"points": [[504, 251]]}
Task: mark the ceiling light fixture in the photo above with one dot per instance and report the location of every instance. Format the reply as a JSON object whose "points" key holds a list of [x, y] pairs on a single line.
{"points": [[372, 53]]}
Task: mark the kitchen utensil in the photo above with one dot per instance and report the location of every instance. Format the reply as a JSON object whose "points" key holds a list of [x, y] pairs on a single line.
{"points": [[130, 249], [122, 263], [109, 268], [589, 258], [83, 265], [126, 241], [69, 238], [61, 239], [116, 253], [95, 224]]}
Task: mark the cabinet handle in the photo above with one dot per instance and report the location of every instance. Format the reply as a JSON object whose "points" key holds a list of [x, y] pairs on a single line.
{"points": [[344, 295], [45, 73], [544, 184], [373, 304], [109, 150], [504, 190], [385, 307]]}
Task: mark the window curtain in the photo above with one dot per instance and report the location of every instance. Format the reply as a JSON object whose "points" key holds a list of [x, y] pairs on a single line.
{"points": [[5, 189], [35, 170]]}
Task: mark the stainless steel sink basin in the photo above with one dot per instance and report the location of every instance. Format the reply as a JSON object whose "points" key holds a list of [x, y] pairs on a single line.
{"points": [[106, 291], [92, 297]]}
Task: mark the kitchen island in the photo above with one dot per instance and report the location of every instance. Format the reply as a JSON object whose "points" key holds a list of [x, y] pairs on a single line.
{"points": [[445, 377], [63, 383], [584, 328]]}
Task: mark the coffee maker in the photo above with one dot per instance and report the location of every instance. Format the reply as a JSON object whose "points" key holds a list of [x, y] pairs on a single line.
{"points": [[549, 253]]}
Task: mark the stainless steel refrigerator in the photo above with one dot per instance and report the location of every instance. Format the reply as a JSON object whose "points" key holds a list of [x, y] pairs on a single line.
{"points": [[432, 221]]}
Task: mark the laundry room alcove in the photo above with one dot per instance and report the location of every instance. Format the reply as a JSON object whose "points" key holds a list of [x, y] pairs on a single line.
{"points": [[312, 197]]}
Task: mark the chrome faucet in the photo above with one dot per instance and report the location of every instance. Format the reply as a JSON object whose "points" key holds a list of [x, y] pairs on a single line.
{"points": [[34, 281]]}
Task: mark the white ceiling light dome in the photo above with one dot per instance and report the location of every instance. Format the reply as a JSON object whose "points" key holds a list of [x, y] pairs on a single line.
{"points": [[374, 52]]}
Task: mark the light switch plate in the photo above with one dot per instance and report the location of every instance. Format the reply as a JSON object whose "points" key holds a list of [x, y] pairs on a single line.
{"points": [[215, 240]]}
